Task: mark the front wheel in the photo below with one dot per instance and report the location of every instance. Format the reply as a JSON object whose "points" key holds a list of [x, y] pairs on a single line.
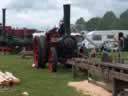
{"points": [[52, 60]]}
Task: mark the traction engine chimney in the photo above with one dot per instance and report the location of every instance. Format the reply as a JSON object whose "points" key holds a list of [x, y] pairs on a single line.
{"points": [[4, 23], [67, 19]]}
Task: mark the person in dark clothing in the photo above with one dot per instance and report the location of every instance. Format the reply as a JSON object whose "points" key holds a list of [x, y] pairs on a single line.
{"points": [[121, 41], [84, 50]]}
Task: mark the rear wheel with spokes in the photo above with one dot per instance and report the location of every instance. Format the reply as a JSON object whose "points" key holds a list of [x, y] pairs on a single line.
{"points": [[40, 52]]}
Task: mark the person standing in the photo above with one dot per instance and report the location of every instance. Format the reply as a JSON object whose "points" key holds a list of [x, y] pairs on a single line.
{"points": [[121, 41]]}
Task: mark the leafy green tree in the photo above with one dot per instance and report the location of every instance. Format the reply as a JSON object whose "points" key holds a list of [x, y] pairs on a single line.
{"points": [[124, 15], [93, 24], [80, 24], [116, 25], [124, 20], [107, 20]]}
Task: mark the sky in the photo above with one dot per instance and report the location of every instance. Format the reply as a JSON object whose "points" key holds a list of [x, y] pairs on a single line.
{"points": [[45, 14]]}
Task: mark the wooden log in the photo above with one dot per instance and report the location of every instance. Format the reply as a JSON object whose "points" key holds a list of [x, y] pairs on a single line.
{"points": [[2, 80], [8, 79], [4, 76], [14, 79], [5, 80]]}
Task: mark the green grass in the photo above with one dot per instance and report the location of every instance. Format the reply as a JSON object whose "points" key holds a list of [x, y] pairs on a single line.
{"points": [[124, 55], [36, 82]]}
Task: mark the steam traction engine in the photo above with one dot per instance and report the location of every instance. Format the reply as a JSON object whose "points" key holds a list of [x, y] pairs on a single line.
{"points": [[57, 45]]}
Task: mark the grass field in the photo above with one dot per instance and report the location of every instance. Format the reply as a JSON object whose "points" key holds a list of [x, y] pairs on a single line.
{"points": [[36, 82], [124, 55]]}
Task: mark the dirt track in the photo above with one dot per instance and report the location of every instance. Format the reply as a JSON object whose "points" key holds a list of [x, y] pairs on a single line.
{"points": [[89, 89]]}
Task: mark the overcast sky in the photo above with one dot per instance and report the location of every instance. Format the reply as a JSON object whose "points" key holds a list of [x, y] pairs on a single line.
{"points": [[47, 13]]}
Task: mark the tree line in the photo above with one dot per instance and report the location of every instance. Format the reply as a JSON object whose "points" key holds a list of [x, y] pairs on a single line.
{"points": [[108, 22]]}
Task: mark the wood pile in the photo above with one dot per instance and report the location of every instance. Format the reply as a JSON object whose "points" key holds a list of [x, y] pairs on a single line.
{"points": [[8, 79]]}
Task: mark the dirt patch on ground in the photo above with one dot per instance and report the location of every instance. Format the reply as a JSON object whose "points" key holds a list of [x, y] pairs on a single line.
{"points": [[89, 89]]}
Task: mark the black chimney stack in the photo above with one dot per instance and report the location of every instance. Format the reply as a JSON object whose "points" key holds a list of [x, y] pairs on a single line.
{"points": [[4, 23], [67, 19]]}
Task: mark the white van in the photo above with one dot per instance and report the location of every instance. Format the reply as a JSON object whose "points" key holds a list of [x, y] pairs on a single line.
{"points": [[96, 38]]}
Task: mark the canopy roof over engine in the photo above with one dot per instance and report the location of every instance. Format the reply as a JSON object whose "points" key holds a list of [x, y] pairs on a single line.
{"points": [[38, 34]]}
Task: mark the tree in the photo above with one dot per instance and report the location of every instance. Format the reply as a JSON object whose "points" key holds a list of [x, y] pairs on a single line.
{"points": [[80, 24], [124, 20], [107, 20], [93, 24], [116, 25], [124, 15]]}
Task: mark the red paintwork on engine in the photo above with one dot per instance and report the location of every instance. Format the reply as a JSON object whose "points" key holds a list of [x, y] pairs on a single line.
{"points": [[6, 49], [18, 32]]}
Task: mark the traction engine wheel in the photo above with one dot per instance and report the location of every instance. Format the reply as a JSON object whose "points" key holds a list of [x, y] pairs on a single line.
{"points": [[52, 60], [39, 51]]}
